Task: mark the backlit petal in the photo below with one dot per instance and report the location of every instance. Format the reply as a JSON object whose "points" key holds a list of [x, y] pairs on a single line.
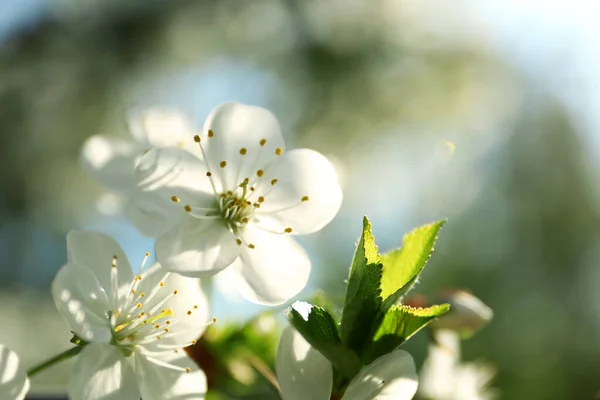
{"points": [[302, 372], [14, 383], [390, 377], [101, 372], [245, 137], [83, 303], [159, 383], [197, 248], [306, 195], [111, 160], [274, 271]]}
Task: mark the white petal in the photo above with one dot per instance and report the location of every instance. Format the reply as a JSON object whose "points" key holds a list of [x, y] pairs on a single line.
{"points": [[302, 372], [190, 297], [197, 248], [438, 377], [101, 372], [163, 127], [83, 303], [300, 174], [149, 222], [111, 160], [236, 127], [390, 377], [162, 174], [160, 383], [276, 270], [95, 250], [14, 383]]}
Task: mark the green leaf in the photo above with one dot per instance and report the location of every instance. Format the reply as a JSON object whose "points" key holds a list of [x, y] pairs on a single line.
{"points": [[402, 267], [317, 326], [400, 323], [363, 293]]}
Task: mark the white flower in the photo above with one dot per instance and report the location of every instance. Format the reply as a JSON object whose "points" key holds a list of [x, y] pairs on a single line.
{"points": [[136, 325], [237, 204], [111, 160], [304, 373], [467, 313], [444, 377], [14, 383]]}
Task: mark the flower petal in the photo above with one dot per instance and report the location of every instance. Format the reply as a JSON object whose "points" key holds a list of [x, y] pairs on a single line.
{"points": [[14, 383], [274, 271], [111, 160], [197, 248], [306, 196], [82, 302], [302, 371], [190, 305], [95, 250], [390, 377], [159, 383], [161, 175], [163, 127], [101, 372], [439, 370], [245, 137]]}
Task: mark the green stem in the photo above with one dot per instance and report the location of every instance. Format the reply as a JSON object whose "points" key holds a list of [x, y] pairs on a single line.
{"points": [[65, 355]]}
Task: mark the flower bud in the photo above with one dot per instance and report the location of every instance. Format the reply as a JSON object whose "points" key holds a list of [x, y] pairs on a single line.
{"points": [[467, 313]]}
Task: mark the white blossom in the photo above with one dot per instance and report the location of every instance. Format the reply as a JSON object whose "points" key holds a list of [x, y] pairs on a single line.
{"points": [[238, 204], [136, 325], [14, 383], [444, 377], [111, 159], [304, 373]]}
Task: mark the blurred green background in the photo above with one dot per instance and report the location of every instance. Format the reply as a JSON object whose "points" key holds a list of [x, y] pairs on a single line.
{"points": [[485, 114]]}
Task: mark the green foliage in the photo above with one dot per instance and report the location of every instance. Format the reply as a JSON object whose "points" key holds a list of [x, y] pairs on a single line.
{"points": [[402, 267], [363, 293], [372, 321], [399, 323], [319, 329]]}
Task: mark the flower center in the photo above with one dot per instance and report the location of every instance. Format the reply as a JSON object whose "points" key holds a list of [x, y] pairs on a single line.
{"points": [[140, 318]]}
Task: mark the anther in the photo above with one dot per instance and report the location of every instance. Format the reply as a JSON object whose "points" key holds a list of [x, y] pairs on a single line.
{"points": [[195, 307], [147, 254], [142, 294], [260, 173], [252, 188], [158, 337], [134, 291], [288, 230], [193, 342], [261, 199], [139, 277], [196, 138], [243, 151], [187, 370], [139, 305], [239, 242], [278, 151], [175, 292], [274, 181], [188, 208], [263, 142], [162, 284], [305, 198], [166, 329], [189, 312], [214, 320], [229, 193], [251, 246], [168, 322], [222, 164], [245, 220], [211, 133]]}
